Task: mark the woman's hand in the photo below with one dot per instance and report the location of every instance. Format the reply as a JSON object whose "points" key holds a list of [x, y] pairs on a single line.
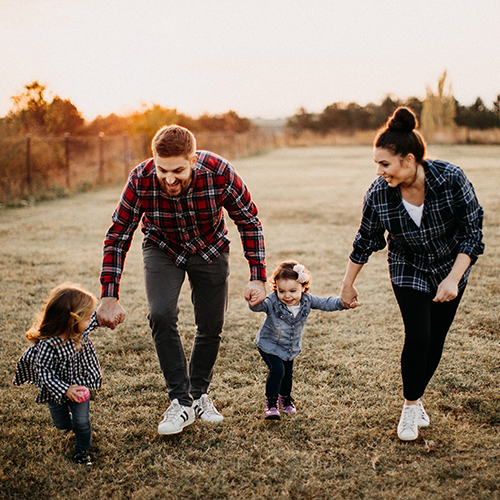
{"points": [[348, 292], [447, 290], [349, 296]]}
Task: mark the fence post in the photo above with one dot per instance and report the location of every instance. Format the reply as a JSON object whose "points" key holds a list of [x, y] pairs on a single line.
{"points": [[101, 157], [66, 156], [28, 163]]}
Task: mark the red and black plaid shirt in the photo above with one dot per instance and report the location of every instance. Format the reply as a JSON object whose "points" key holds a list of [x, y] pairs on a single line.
{"points": [[192, 223]]}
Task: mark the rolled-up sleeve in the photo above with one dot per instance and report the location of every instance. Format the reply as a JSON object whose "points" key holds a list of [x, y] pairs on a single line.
{"points": [[469, 217], [370, 237]]}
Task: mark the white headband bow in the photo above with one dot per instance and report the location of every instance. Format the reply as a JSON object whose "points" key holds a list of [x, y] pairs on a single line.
{"points": [[302, 276]]}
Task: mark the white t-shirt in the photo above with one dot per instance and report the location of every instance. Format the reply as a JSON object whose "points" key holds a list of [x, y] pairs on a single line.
{"points": [[414, 211], [294, 309]]}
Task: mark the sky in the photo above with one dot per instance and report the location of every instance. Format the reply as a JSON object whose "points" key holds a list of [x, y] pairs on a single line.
{"points": [[260, 58]]}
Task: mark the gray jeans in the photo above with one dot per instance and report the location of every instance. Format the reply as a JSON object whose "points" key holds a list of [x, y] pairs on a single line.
{"points": [[209, 295]]}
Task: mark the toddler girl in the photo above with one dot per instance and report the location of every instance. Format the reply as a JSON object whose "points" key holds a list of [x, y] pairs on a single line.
{"points": [[279, 338], [63, 363]]}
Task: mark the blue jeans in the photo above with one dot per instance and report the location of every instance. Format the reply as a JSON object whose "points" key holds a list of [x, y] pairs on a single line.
{"points": [[74, 416], [209, 295], [279, 379]]}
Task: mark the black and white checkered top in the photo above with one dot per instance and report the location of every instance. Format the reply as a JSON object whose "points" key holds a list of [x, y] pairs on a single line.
{"points": [[54, 364]]}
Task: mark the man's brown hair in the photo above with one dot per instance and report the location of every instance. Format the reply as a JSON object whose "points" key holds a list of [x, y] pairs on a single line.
{"points": [[173, 140]]}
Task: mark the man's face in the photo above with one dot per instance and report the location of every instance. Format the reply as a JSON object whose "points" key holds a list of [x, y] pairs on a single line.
{"points": [[174, 173]]}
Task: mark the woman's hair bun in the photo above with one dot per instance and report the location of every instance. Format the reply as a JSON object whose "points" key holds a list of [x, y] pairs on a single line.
{"points": [[403, 121]]}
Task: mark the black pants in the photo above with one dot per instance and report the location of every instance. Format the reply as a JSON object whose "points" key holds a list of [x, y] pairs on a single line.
{"points": [[426, 326], [280, 377], [209, 295]]}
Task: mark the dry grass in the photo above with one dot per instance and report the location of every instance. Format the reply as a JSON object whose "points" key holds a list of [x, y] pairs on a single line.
{"points": [[342, 443]]}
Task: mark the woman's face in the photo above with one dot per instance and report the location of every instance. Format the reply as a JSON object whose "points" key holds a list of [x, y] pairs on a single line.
{"points": [[393, 168]]}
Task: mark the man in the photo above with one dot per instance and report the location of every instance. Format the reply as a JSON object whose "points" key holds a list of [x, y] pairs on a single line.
{"points": [[178, 196]]}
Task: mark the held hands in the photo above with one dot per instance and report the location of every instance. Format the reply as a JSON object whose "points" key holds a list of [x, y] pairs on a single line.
{"points": [[255, 292], [349, 296], [110, 313]]}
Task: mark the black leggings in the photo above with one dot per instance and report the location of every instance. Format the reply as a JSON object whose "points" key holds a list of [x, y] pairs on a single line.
{"points": [[280, 377], [426, 326]]}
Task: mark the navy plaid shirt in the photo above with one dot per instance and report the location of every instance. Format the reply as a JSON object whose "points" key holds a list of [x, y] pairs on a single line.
{"points": [[192, 223], [422, 257], [54, 364]]}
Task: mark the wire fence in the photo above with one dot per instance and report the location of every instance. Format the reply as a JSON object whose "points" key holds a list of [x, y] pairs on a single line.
{"points": [[38, 167]]}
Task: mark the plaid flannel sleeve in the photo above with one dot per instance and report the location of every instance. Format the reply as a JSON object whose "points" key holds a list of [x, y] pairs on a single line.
{"points": [[243, 211], [118, 239], [469, 218], [370, 237]]}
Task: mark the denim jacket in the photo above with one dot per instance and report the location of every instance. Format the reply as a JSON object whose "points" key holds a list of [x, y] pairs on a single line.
{"points": [[281, 333]]}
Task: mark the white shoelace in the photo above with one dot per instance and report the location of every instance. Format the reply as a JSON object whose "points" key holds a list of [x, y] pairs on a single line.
{"points": [[409, 417], [174, 411], [208, 406]]}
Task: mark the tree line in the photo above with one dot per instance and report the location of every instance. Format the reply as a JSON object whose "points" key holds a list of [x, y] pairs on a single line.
{"points": [[33, 113], [440, 110]]}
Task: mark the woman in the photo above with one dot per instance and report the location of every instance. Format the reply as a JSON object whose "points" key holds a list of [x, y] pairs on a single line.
{"points": [[433, 219]]}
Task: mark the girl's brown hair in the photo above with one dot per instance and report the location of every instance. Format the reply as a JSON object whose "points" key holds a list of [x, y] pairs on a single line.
{"points": [[285, 272], [66, 307], [399, 136]]}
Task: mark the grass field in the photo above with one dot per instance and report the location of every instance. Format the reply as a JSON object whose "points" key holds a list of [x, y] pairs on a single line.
{"points": [[342, 444]]}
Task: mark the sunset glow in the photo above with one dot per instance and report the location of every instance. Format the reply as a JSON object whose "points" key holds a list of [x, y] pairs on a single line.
{"points": [[256, 57]]}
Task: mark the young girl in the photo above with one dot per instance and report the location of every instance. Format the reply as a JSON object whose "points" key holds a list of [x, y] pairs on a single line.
{"points": [[279, 338], [63, 362]]}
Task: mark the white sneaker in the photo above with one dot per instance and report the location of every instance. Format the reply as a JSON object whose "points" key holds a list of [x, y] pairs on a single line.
{"points": [[205, 409], [408, 423], [176, 418], [423, 418]]}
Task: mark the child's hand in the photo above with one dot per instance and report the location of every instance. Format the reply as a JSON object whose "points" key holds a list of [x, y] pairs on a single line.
{"points": [[354, 303], [78, 393], [255, 292], [110, 313]]}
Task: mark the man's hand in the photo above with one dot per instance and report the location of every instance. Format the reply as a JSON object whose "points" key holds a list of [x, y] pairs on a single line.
{"points": [[110, 313], [255, 292]]}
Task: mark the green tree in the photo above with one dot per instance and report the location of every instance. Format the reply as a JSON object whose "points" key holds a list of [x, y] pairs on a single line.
{"points": [[227, 122], [302, 121], [151, 120], [109, 125], [62, 116], [477, 116]]}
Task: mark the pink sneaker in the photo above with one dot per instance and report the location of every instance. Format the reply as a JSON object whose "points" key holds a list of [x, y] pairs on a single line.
{"points": [[272, 412], [286, 404]]}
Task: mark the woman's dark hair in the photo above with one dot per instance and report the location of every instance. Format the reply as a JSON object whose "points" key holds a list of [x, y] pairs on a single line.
{"points": [[399, 135]]}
